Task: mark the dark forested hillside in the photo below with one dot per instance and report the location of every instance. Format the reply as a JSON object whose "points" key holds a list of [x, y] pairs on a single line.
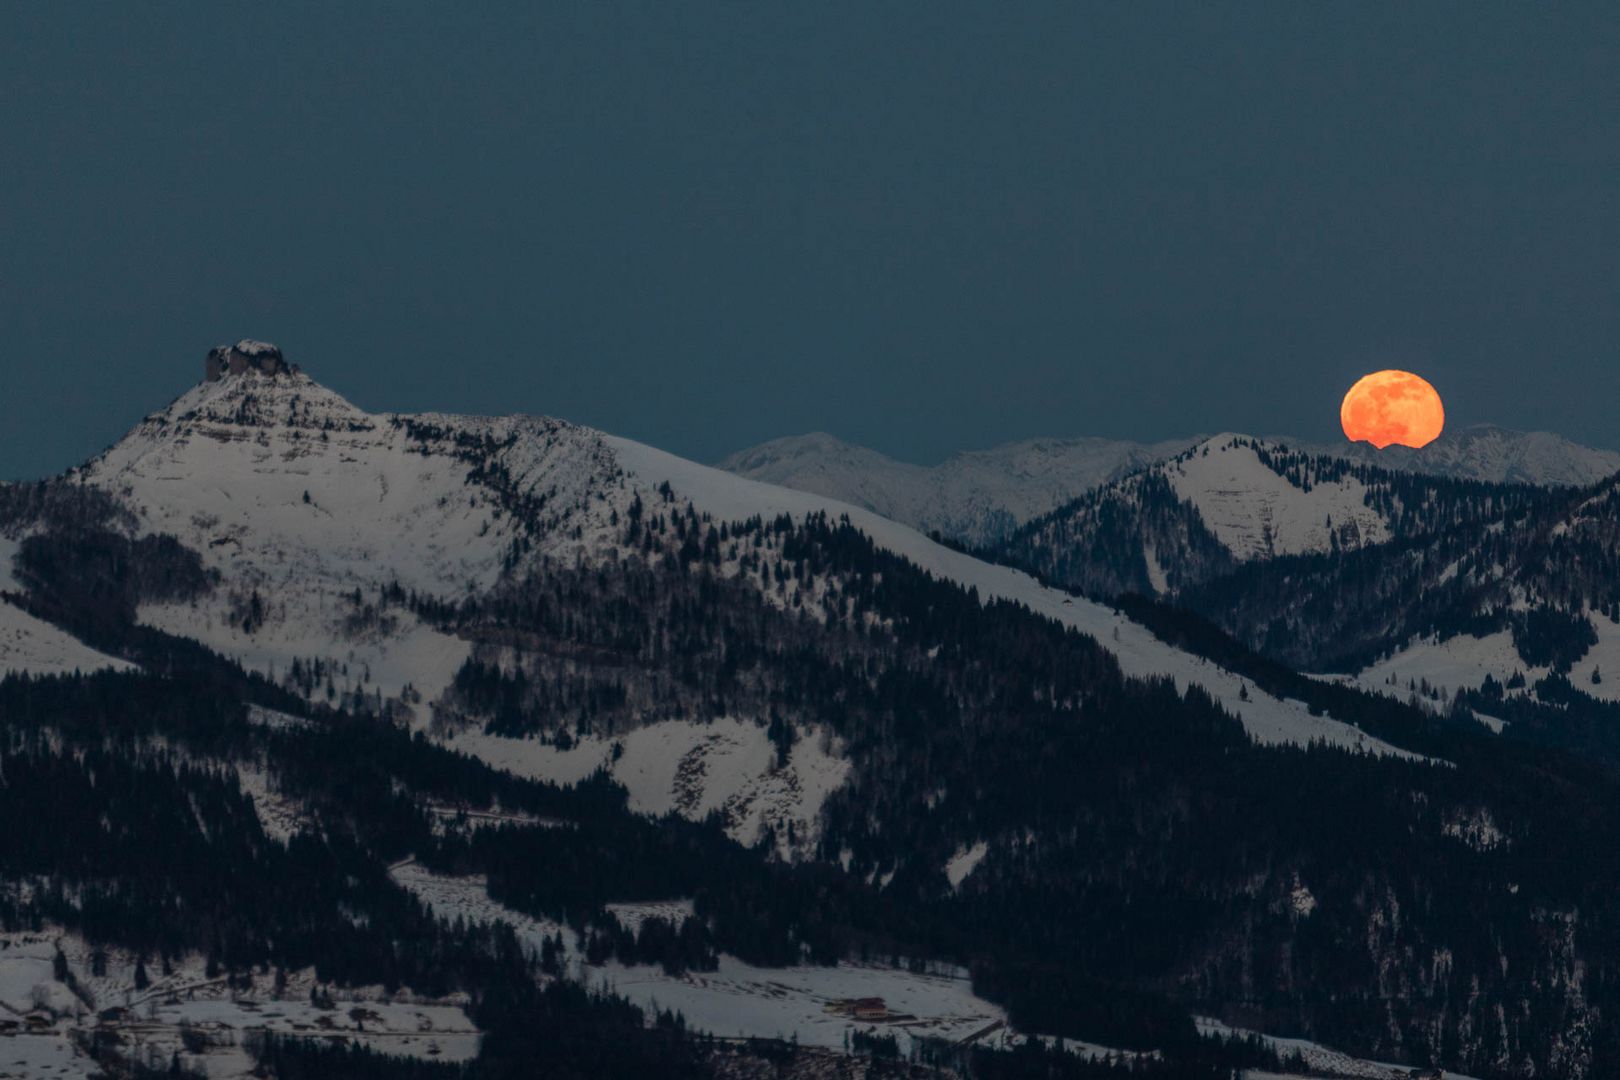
{"points": [[1543, 572]]}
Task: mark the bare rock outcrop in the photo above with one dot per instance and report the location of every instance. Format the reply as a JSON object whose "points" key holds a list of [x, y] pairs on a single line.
{"points": [[246, 355]]}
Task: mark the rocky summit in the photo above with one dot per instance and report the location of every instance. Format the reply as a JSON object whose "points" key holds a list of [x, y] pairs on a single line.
{"points": [[246, 355]]}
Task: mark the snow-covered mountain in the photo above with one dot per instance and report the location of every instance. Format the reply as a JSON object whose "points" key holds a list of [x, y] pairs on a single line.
{"points": [[300, 501], [1486, 452], [1231, 500], [297, 497], [1531, 594], [980, 497], [305, 506], [1250, 496], [977, 497]]}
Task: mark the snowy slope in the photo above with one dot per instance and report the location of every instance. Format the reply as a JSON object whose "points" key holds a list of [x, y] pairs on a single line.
{"points": [[976, 496], [1255, 512], [730, 497], [1457, 663], [36, 647], [33, 646], [741, 1000]]}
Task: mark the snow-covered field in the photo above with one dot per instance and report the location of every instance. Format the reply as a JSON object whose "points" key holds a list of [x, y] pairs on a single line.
{"points": [[42, 1056], [9, 547], [279, 816], [964, 862], [799, 1003], [403, 1029], [148, 1023], [25, 974]]}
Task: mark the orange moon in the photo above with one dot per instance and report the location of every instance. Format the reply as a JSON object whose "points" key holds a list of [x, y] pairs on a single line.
{"points": [[1389, 408]]}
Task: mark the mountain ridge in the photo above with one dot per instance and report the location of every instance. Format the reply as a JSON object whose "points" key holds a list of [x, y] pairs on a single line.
{"points": [[443, 490], [980, 497], [975, 496]]}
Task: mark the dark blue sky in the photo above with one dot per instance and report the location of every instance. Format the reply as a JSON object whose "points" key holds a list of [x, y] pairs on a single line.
{"points": [[922, 227]]}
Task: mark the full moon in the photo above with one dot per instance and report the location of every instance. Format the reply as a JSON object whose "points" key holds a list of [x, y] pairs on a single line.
{"points": [[1389, 408]]}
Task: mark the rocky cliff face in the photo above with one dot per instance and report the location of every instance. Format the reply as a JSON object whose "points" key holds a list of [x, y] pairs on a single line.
{"points": [[246, 355]]}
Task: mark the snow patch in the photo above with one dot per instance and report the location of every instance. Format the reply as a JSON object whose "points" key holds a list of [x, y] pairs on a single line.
{"points": [[690, 768], [964, 862]]}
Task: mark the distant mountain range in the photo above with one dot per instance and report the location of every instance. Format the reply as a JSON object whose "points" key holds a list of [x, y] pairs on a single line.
{"points": [[980, 497], [977, 496], [1487, 452]]}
